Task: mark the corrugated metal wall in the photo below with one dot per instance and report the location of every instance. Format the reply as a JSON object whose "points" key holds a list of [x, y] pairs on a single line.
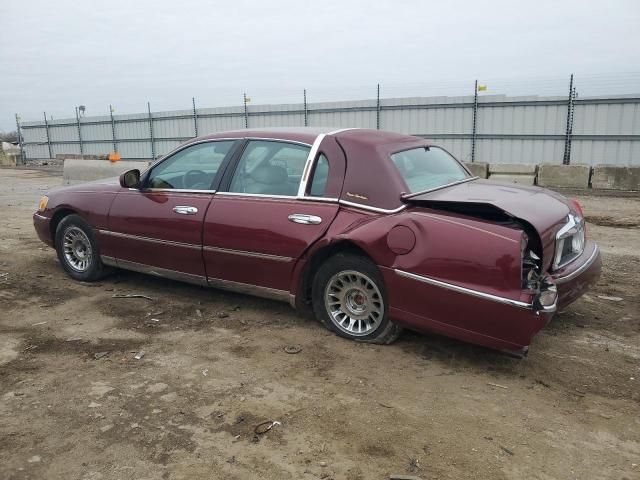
{"points": [[509, 129]]}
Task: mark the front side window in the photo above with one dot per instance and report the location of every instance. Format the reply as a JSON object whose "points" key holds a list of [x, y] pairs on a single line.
{"points": [[426, 168], [192, 168], [270, 168]]}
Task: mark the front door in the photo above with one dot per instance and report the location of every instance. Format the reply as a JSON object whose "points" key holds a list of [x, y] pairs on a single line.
{"points": [[263, 222], [158, 228]]}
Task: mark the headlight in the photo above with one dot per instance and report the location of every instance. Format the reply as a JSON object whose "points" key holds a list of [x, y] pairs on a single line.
{"points": [[43, 203]]}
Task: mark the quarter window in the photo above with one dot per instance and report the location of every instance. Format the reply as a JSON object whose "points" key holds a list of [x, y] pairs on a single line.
{"points": [[270, 168], [320, 176], [192, 168]]}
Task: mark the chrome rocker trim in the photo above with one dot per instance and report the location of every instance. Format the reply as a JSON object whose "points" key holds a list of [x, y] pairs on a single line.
{"points": [[255, 290]]}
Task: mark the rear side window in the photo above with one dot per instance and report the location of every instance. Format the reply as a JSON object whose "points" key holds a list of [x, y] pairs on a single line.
{"points": [[270, 168], [320, 176], [426, 168]]}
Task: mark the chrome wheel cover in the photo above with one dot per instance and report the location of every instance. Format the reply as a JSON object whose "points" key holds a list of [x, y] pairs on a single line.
{"points": [[77, 249], [354, 303]]}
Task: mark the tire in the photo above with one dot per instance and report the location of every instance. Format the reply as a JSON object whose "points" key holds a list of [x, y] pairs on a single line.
{"points": [[349, 297], [78, 250]]}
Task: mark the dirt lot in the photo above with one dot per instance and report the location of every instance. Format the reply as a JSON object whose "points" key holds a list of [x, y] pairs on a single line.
{"points": [[215, 367]]}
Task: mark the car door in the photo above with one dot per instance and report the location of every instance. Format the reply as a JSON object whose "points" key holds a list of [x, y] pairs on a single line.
{"points": [[267, 216], [158, 228]]}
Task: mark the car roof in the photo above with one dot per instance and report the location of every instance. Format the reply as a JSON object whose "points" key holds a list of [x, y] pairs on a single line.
{"points": [[309, 134]]}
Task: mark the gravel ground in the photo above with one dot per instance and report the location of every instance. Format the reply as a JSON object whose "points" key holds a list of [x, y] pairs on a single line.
{"points": [[214, 367]]}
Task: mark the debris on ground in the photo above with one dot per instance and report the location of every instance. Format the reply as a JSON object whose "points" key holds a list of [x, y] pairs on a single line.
{"points": [[131, 295], [506, 450], [139, 355], [36, 324], [496, 385], [611, 299], [223, 315], [264, 427], [292, 349], [403, 477], [413, 465], [99, 355]]}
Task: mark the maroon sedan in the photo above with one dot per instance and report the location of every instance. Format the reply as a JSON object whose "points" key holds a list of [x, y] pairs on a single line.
{"points": [[374, 231]]}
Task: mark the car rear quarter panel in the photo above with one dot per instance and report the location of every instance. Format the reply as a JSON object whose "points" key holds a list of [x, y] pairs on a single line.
{"points": [[464, 252]]}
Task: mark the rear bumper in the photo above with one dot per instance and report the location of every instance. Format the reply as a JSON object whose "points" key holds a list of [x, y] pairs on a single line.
{"points": [[41, 224], [576, 278]]}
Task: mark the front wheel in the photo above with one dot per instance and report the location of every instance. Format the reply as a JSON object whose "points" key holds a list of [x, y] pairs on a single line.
{"points": [[349, 298], [78, 249]]}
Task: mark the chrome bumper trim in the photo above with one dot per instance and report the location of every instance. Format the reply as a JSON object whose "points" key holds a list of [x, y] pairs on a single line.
{"points": [[579, 270], [467, 291]]}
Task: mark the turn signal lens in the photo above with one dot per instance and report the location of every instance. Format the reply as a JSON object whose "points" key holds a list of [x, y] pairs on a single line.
{"points": [[43, 203]]}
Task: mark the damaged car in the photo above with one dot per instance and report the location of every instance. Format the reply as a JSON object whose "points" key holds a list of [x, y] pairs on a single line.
{"points": [[371, 231]]}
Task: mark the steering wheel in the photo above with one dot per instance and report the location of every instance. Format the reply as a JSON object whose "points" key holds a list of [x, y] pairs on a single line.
{"points": [[191, 179]]}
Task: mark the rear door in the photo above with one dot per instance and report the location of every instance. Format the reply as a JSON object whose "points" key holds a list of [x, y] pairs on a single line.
{"points": [[279, 197], [158, 228]]}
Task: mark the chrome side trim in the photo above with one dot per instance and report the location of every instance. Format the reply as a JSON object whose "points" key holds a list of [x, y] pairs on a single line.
{"points": [[467, 291], [256, 195], [320, 199], [302, 188], [256, 290], [464, 180], [283, 140], [243, 253], [156, 271], [373, 209], [579, 270], [150, 240], [41, 217], [174, 190]]}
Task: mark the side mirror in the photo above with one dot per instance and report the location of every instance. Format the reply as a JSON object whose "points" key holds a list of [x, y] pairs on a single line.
{"points": [[130, 179]]}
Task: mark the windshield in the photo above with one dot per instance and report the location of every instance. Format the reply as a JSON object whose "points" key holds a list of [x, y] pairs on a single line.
{"points": [[426, 168]]}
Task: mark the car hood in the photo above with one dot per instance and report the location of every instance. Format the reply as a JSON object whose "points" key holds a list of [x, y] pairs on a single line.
{"points": [[543, 209]]}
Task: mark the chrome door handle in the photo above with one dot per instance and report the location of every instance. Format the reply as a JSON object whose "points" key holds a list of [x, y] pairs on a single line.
{"points": [[305, 219], [185, 210]]}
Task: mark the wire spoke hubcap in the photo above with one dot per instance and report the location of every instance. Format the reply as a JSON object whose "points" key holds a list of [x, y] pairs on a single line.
{"points": [[77, 249], [354, 303]]}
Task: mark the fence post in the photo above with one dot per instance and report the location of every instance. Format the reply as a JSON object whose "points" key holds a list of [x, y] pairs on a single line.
{"points": [[22, 154], [566, 159], [46, 126], [113, 130], [475, 122], [153, 147], [378, 109], [246, 112], [79, 132], [306, 122], [195, 117]]}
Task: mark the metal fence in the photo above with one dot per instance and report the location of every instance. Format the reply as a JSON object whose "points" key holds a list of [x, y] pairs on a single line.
{"points": [[483, 128]]}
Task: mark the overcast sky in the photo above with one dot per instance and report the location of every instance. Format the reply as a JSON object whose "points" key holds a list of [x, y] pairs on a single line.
{"points": [[58, 54]]}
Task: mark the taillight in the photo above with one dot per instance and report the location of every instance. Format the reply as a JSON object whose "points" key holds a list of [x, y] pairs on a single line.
{"points": [[576, 207]]}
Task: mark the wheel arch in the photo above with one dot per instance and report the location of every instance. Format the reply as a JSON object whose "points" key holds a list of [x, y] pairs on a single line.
{"points": [[57, 218], [303, 295]]}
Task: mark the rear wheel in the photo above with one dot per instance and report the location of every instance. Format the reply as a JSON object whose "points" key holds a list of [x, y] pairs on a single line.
{"points": [[349, 298], [78, 250]]}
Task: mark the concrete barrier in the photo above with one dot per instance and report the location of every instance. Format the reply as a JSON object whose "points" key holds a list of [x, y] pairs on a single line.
{"points": [[81, 171], [513, 173], [479, 169], [564, 176], [613, 177]]}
